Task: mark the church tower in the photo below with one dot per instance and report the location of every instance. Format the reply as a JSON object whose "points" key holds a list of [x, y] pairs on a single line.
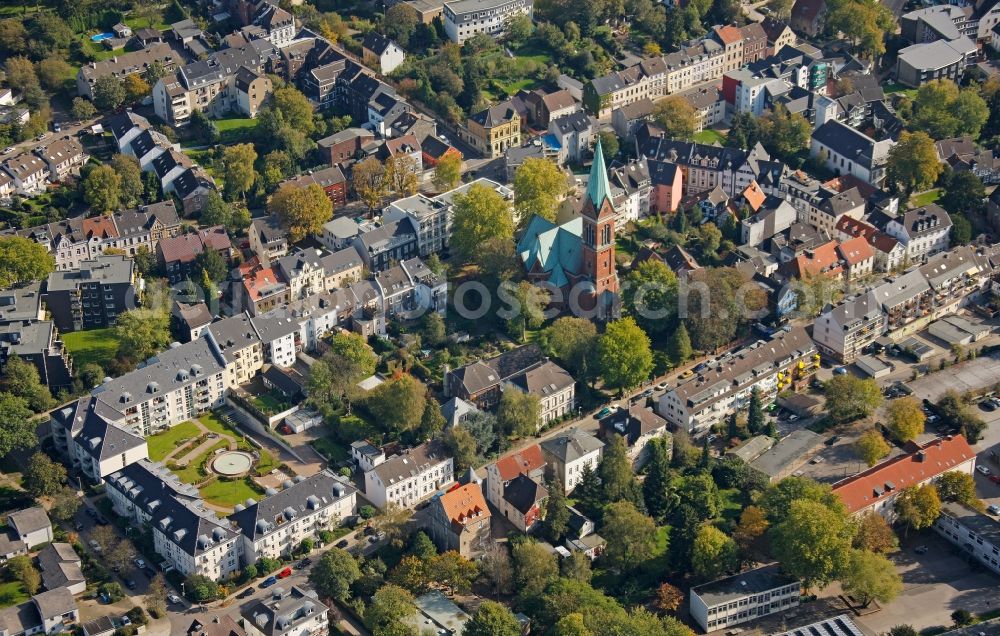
{"points": [[599, 229]]}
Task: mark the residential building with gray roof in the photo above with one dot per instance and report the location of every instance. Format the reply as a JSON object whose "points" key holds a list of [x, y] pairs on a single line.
{"points": [[93, 296], [743, 597]]}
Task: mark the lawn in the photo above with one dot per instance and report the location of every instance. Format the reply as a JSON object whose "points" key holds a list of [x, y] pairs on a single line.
{"points": [[732, 504], [925, 198], [270, 404], [235, 128], [230, 493], [212, 422], [97, 346], [890, 89], [12, 593], [142, 23], [330, 449], [267, 461], [709, 136], [191, 474], [161, 444]]}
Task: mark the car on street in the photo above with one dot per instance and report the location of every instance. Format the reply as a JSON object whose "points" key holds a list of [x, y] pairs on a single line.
{"points": [[8, 150], [130, 584], [173, 598], [833, 440], [343, 543], [95, 546], [983, 470], [816, 460], [245, 593], [284, 574], [840, 371], [139, 563], [661, 386], [268, 582], [57, 127], [920, 549], [987, 405], [687, 374], [993, 509], [603, 413], [646, 393], [304, 563], [995, 479]]}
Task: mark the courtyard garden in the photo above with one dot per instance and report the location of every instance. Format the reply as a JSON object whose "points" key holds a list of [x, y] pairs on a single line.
{"points": [[94, 346]]}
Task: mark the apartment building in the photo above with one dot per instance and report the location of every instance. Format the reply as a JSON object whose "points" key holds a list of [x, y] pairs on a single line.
{"points": [[410, 477], [268, 239], [876, 489], [645, 80], [29, 174], [843, 331], [121, 66], [331, 179], [494, 129], [240, 346], [188, 536], [786, 361], [941, 59], [923, 231], [305, 506], [637, 425], [481, 382], [971, 531], [527, 462], [907, 301], [296, 612], [177, 255], [92, 443], [743, 597], [696, 64], [460, 521], [63, 156], [464, 19], [847, 151], [955, 277], [303, 271], [554, 387], [731, 39], [92, 296], [37, 342], [432, 215], [705, 167], [389, 243], [410, 289], [570, 454]]}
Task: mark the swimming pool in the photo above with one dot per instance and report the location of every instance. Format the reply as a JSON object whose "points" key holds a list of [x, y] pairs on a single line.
{"points": [[101, 37]]}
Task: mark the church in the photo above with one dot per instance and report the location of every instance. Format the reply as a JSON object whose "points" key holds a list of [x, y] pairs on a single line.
{"points": [[578, 256]]}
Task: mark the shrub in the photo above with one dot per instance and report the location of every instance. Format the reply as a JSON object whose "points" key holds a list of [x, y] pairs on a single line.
{"points": [[137, 616], [367, 512], [325, 536], [113, 591]]}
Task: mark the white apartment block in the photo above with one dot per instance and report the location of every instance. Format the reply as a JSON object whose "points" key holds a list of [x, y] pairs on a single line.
{"points": [[843, 331], [743, 597], [407, 479], [784, 362], [279, 523], [432, 216], [571, 454], [92, 444], [465, 18], [973, 532], [296, 612], [923, 231]]}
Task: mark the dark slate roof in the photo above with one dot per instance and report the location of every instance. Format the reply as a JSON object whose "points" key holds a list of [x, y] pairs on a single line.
{"points": [[523, 493], [273, 512], [101, 439], [845, 141], [571, 445], [495, 115], [377, 43]]}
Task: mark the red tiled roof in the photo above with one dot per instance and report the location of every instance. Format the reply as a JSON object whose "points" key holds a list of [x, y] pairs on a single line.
{"points": [[465, 504], [216, 238], [938, 456], [855, 250], [821, 261], [856, 227], [522, 462], [754, 196], [180, 249], [258, 280], [100, 226], [728, 34]]}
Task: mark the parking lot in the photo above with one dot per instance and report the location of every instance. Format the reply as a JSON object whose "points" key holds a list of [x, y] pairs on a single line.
{"points": [[974, 374]]}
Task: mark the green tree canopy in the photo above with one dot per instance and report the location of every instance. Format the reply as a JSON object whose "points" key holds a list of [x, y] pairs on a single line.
{"points": [[398, 405], [872, 447], [676, 116], [334, 574], [624, 357], [518, 412], [42, 476], [492, 619], [302, 211], [713, 553], [918, 507], [812, 543], [870, 577], [23, 261], [849, 398], [913, 164], [572, 340], [480, 214], [650, 296], [631, 536], [102, 189], [539, 184], [905, 418], [941, 109]]}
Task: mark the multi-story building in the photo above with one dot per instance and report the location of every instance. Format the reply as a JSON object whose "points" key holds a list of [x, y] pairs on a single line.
{"points": [[277, 524], [51, 612], [706, 167], [410, 477], [645, 80], [697, 64], [380, 52], [297, 612], [481, 382], [971, 531], [95, 446], [743, 597], [121, 66], [144, 227], [494, 129], [786, 361], [631, 191], [528, 461], [189, 537], [464, 19], [845, 150], [410, 289], [240, 346], [754, 42], [843, 331], [574, 134], [30, 174], [907, 301], [731, 39], [268, 239], [92, 296], [923, 231], [30, 526], [460, 521], [552, 385], [64, 157], [432, 215], [389, 243], [177, 255], [876, 489], [941, 59], [637, 425], [955, 278], [37, 342], [570, 454], [303, 271]]}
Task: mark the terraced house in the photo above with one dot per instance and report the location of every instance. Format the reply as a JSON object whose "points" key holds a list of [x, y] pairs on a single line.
{"points": [[646, 80]]}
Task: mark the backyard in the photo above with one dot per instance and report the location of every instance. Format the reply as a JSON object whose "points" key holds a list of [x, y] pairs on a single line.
{"points": [[710, 136], [162, 444], [925, 198], [230, 493], [12, 593], [95, 346]]}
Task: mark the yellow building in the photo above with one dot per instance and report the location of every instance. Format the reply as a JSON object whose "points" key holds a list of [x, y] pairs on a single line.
{"points": [[495, 129]]}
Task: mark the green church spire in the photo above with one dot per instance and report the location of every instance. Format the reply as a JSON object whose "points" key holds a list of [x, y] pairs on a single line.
{"points": [[597, 186]]}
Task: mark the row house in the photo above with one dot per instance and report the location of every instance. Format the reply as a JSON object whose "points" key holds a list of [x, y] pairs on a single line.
{"points": [[432, 215], [923, 231], [785, 361], [631, 191], [693, 65], [121, 66], [303, 272], [779, 35], [889, 253], [177, 255], [410, 289], [706, 167], [410, 477], [955, 277], [268, 240], [63, 157], [645, 80], [240, 347], [277, 525]]}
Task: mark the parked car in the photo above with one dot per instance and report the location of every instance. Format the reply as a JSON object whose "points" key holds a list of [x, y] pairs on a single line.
{"points": [[840, 371], [245, 593], [90, 512], [101, 521], [661, 386], [8, 150], [603, 413], [149, 572], [78, 526], [687, 374], [920, 549], [993, 509], [983, 470], [833, 440], [995, 479], [304, 563], [173, 598], [284, 574], [342, 544], [268, 582], [987, 405], [130, 584], [95, 546], [139, 563]]}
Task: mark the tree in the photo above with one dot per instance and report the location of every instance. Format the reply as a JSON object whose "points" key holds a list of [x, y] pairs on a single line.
{"points": [[23, 260], [781, 8], [517, 29], [153, 72], [398, 405], [302, 211], [121, 555], [755, 413], [411, 574], [400, 23], [448, 171], [615, 470], [609, 144], [679, 347], [668, 598], [142, 333], [461, 445], [496, 567], [65, 505], [21, 569], [871, 577], [17, 429], [453, 571], [102, 189], [624, 358], [631, 536], [334, 574], [751, 527], [52, 72], [534, 567], [918, 507], [657, 494], [370, 182], [216, 210], [783, 133], [492, 619], [572, 625], [903, 630], [109, 93], [518, 412], [677, 117], [713, 553], [392, 521], [713, 318], [136, 88], [203, 128], [539, 185], [432, 422], [106, 538], [42, 476], [962, 617], [572, 340], [237, 169], [913, 162], [905, 418], [295, 109], [402, 175], [82, 109], [131, 188], [850, 398], [433, 331], [778, 498], [871, 447], [963, 192], [385, 613], [942, 110], [524, 307], [874, 534], [156, 596], [480, 214], [812, 543], [21, 378], [650, 295], [958, 486]]}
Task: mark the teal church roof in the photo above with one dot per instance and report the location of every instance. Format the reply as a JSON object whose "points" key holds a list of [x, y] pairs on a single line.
{"points": [[598, 186], [553, 249]]}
